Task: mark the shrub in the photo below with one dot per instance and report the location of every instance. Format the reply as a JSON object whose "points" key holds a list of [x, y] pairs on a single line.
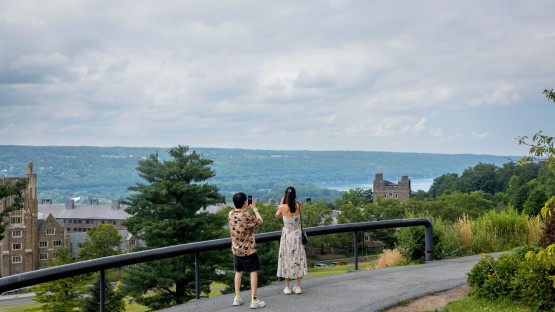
{"points": [[513, 277], [548, 233], [491, 279], [389, 258]]}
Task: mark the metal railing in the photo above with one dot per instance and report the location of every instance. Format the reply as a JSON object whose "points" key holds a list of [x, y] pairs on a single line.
{"points": [[101, 264]]}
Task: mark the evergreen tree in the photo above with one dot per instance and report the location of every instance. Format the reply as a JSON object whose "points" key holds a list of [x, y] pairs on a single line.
{"points": [[7, 190], [165, 211], [61, 295], [102, 241], [113, 301]]}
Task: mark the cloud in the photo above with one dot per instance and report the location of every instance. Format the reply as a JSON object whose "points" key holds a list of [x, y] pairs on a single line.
{"points": [[338, 74], [502, 95]]}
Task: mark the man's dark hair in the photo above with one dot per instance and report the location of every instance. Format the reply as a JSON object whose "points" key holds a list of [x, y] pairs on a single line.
{"points": [[239, 199]]}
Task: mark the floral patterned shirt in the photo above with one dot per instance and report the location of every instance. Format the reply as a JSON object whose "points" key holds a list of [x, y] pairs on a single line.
{"points": [[241, 227]]}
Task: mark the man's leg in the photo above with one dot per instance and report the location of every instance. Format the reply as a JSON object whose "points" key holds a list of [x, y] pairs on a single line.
{"points": [[238, 276], [255, 303], [237, 300], [254, 283]]}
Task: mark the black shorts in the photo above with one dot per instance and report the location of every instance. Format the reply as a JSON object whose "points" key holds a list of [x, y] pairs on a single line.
{"points": [[249, 263]]}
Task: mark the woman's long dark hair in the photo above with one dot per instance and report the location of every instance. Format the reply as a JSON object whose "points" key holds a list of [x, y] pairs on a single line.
{"points": [[290, 198]]}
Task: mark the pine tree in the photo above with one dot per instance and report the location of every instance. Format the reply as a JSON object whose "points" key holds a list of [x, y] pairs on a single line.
{"points": [[167, 210], [113, 298], [60, 295]]}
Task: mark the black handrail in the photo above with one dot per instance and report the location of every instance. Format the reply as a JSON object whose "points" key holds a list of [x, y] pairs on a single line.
{"points": [[99, 265]]}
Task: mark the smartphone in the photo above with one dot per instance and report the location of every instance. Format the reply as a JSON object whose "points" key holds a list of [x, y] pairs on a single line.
{"points": [[249, 199]]}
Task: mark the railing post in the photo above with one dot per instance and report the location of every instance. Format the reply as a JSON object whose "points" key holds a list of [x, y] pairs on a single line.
{"points": [[102, 289], [355, 245], [429, 242], [197, 276]]}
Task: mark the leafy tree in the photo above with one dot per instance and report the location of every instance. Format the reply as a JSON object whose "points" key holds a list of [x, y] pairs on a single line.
{"points": [[166, 211], [357, 197], [541, 146], [536, 199], [61, 295], [452, 206], [447, 183], [102, 241], [11, 189], [480, 178]]}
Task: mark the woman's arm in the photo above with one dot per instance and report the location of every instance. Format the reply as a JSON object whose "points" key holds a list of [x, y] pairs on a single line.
{"points": [[278, 212]]}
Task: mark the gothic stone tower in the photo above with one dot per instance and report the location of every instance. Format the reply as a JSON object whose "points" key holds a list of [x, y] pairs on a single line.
{"points": [[386, 189], [20, 243]]}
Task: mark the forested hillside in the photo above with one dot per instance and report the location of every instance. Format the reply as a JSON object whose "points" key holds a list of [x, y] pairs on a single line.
{"points": [[106, 172]]}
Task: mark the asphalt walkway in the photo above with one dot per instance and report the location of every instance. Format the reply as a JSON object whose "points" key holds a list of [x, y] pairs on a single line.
{"points": [[368, 290]]}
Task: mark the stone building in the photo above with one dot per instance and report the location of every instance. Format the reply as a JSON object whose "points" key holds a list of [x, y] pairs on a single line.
{"points": [[28, 242], [81, 218], [36, 232], [385, 189]]}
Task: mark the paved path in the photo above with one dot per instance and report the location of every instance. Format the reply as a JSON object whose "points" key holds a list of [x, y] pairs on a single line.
{"points": [[369, 290]]}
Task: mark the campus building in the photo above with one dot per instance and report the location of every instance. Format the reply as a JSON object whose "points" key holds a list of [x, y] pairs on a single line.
{"points": [[37, 231], [385, 189]]}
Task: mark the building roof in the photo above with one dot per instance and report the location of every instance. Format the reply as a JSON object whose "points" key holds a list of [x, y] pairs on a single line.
{"points": [[96, 211]]}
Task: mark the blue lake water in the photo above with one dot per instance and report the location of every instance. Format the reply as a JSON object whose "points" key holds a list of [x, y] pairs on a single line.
{"points": [[415, 185]]}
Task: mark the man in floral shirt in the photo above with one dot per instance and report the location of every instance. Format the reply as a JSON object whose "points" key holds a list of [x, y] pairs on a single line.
{"points": [[243, 246]]}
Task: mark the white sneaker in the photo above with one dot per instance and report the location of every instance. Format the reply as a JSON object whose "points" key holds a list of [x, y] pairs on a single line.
{"points": [[287, 290], [237, 302], [297, 290], [257, 304]]}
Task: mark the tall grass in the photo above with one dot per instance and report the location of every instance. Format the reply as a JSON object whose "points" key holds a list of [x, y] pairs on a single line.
{"points": [[491, 232]]}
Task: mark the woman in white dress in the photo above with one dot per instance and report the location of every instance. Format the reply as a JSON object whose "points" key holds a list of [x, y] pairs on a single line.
{"points": [[292, 255]]}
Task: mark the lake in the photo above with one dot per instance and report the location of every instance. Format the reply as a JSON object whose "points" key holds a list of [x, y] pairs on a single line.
{"points": [[415, 185]]}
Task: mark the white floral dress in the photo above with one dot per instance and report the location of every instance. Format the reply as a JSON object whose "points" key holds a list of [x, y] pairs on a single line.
{"points": [[292, 256]]}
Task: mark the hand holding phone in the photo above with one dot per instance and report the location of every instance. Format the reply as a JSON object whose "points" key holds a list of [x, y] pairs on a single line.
{"points": [[249, 199]]}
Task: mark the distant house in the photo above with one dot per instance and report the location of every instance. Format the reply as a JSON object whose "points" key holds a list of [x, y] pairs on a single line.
{"points": [[81, 218], [385, 189]]}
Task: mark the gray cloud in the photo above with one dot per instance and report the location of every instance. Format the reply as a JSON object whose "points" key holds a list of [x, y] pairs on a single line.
{"points": [[362, 75]]}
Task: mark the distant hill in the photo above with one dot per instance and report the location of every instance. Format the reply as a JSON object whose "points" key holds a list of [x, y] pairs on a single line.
{"points": [[106, 172]]}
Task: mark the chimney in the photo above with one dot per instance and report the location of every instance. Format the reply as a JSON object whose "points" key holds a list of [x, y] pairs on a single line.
{"points": [[115, 204], [70, 204]]}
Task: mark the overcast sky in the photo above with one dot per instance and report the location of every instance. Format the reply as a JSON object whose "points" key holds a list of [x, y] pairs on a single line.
{"points": [[403, 76]]}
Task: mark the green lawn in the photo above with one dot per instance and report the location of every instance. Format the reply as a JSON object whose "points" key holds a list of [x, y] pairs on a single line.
{"points": [[471, 304]]}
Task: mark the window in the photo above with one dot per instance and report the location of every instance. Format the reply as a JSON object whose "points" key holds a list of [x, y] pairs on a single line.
{"points": [[16, 259], [17, 233], [15, 220], [50, 231], [87, 221], [43, 256], [43, 244], [70, 221], [133, 243], [57, 243], [16, 246]]}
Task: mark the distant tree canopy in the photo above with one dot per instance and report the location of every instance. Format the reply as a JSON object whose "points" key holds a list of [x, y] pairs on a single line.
{"points": [[14, 190]]}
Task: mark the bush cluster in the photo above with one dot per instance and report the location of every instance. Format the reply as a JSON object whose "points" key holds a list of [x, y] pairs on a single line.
{"points": [[513, 277]]}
